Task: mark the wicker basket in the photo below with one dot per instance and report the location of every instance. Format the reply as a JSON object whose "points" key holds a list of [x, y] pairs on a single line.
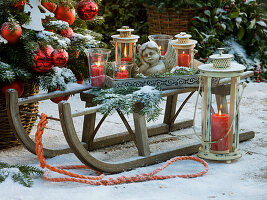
{"points": [[169, 22], [7, 137]]}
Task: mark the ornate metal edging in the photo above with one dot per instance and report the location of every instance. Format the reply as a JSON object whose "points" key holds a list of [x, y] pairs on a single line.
{"points": [[175, 82]]}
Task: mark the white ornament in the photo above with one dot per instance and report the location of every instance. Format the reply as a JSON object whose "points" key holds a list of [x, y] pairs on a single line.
{"points": [[36, 16], [3, 40]]}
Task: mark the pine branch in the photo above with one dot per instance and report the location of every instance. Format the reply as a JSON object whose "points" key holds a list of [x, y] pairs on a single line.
{"points": [[23, 179], [6, 73], [57, 78], [20, 57], [97, 21], [3, 175], [55, 40], [56, 26], [20, 173], [124, 99], [29, 170]]}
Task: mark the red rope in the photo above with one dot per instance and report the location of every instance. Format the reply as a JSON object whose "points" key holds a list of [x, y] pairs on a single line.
{"points": [[98, 180]]}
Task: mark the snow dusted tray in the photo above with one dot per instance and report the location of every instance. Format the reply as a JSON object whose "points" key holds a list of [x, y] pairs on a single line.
{"points": [[174, 82]]}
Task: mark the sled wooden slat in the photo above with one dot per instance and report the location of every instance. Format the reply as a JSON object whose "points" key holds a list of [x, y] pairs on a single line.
{"points": [[41, 97], [141, 131], [87, 111]]}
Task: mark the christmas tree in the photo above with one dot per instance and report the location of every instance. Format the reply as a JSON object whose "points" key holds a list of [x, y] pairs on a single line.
{"points": [[45, 41]]}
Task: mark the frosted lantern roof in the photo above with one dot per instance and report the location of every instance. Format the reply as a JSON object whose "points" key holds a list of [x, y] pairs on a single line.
{"points": [[221, 61], [125, 45]]}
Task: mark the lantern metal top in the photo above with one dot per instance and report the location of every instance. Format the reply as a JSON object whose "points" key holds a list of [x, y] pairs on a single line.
{"points": [[221, 61], [183, 39], [125, 35], [183, 35], [235, 69]]}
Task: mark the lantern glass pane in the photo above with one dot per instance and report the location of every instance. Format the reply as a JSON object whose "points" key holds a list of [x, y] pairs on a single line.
{"points": [[162, 41], [97, 58], [122, 70], [184, 57], [127, 52]]}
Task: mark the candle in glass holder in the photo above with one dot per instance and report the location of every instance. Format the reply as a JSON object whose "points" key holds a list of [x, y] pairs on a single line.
{"points": [[97, 74], [183, 60], [126, 58], [123, 73], [219, 128], [162, 53], [98, 81], [97, 70]]}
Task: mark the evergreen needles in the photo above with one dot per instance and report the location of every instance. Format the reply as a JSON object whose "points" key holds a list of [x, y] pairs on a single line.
{"points": [[124, 99], [19, 61], [19, 173]]}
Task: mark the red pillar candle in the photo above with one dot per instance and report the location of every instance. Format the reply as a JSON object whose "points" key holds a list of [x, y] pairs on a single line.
{"points": [[123, 73], [183, 60], [127, 59], [97, 74], [162, 53], [219, 128], [97, 70]]}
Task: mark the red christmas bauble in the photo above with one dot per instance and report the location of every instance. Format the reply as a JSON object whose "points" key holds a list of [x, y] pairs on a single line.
{"points": [[60, 57], [19, 4], [10, 32], [87, 9], [65, 13], [17, 85], [49, 5], [58, 99], [67, 33], [42, 60]]}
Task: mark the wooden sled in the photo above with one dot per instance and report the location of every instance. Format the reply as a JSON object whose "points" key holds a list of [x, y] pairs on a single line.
{"points": [[13, 103], [140, 135]]}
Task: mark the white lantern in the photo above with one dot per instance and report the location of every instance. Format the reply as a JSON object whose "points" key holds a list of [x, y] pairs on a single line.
{"points": [[220, 131], [125, 45], [184, 48]]}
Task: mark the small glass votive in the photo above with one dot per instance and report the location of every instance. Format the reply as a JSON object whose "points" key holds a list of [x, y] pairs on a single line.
{"points": [[162, 41], [97, 61], [122, 70]]}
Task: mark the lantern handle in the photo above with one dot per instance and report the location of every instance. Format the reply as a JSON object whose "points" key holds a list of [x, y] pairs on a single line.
{"points": [[112, 42], [232, 123], [221, 50]]}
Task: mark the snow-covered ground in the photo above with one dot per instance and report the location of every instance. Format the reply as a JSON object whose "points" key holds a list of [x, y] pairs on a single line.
{"points": [[243, 179]]}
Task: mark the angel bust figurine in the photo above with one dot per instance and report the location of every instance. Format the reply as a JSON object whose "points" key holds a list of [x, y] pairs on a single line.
{"points": [[153, 62], [151, 59]]}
